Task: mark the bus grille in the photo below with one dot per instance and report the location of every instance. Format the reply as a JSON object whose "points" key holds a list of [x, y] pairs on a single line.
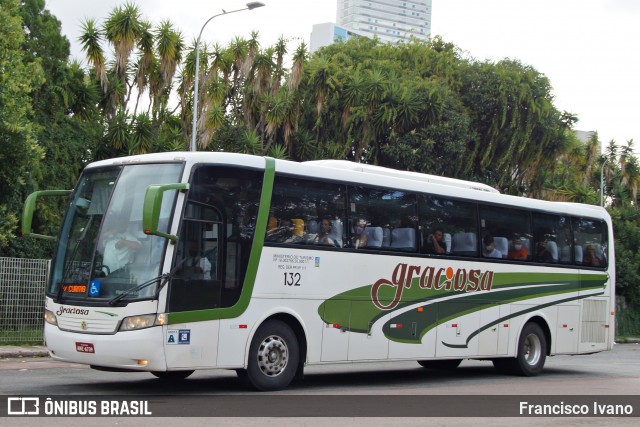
{"points": [[88, 326], [594, 318]]}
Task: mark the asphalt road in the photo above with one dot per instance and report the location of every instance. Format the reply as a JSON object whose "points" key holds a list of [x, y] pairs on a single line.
{"points": [[601, 375]]}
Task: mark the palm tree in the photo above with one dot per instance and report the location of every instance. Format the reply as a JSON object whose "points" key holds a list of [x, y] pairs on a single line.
{"points": [[375, 89], [322, 81], [122, 29], [629, 170], [258, 86], [300, 58], [91, 42], [141, 138], [280, 50], [145, 58], [239, 50], [169, 44]]}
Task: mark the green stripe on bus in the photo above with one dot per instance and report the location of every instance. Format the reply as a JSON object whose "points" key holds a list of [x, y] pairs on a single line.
{"points": [[254, 260], [333, 312], [516, 314], [443, 311]]}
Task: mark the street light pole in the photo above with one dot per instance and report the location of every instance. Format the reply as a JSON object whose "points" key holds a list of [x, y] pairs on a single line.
{"points": [[249, 6]]}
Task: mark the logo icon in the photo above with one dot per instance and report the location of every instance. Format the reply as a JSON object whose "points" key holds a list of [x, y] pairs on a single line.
{"points": [[83, 325], [23, 406], [94, 288]]}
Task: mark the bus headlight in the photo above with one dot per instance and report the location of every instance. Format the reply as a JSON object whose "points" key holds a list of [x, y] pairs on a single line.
{"points": [[50, 318], [133, 323]]}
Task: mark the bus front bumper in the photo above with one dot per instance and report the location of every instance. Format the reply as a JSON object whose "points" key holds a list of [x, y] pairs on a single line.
{"points": [[141, 350]]}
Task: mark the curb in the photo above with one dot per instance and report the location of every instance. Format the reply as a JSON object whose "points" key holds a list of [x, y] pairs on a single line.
{"points": [[8, 352]]}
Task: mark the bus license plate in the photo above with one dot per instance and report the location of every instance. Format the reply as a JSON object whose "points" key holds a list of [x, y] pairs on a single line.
{"points": [[85, 347]]}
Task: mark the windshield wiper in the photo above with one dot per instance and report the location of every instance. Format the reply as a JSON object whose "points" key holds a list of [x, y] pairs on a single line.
{"points": [[163, 278]]}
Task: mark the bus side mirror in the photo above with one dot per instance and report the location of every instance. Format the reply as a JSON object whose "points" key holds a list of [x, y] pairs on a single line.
{"points": [[30, 208], [153, 205]]}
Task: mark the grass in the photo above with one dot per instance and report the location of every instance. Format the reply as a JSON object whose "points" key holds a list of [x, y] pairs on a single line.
{"points": [[21, 337]]}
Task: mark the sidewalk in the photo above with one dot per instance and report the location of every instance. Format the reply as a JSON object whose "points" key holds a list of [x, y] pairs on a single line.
{"points": [[11, 351]]}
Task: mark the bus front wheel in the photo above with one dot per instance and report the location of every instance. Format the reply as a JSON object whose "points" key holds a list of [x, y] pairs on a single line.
{"points": [[273, 357]]}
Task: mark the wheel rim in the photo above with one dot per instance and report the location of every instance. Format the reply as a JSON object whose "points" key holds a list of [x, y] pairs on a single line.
{"points": [[532, 349], [273, 356]]}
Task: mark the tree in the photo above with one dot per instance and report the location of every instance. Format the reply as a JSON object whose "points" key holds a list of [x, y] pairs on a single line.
{"points": [[61, 103], [19, 153], [146, 60]]}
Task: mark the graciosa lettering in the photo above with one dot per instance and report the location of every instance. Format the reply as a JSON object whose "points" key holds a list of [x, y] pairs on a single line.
{"points": [[430, 278]]}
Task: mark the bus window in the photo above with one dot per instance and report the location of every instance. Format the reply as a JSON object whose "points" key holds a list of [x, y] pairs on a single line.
{"points": [[552, 238], [215, 238], [382, 219], [448, 226], [591, 244], [306, 212], [510, 224]]}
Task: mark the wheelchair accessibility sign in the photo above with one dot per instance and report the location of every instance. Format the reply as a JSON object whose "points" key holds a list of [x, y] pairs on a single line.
{"points": [[179, 336]]}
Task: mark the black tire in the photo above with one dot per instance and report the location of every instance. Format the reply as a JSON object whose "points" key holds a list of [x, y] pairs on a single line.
{"points": [[440, 365], [172, 375], [274, 355], [532, 353]]}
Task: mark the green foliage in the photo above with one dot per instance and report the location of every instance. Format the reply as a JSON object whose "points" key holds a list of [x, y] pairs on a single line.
{"points": [[416, 106], [20, 152], [52, 138], [626, 222]]}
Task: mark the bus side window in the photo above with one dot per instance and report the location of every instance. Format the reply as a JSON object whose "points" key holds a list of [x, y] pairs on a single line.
{"points": [[452, 223], [299, 206], [513, 224], [592, 241], [390, 218]]}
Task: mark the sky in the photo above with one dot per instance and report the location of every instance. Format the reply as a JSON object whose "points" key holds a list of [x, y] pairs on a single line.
{"points": [[589, 49]]}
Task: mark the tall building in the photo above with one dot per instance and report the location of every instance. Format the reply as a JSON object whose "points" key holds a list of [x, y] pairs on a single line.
{"points": [[329, 33], [389, 20]]}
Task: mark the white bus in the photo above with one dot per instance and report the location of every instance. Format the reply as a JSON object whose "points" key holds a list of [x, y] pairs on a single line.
{"points": [[173, 262]]}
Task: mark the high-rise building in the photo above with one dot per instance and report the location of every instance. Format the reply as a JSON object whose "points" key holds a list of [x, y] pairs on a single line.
{"points": [[329, 33], [389, 20]]}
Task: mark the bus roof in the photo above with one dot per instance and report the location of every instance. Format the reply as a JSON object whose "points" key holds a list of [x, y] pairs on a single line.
{"points": [[383, 171], [347, 171]]}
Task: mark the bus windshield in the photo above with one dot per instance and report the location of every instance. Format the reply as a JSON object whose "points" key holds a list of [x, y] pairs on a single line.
{"points": [[103, 251]]}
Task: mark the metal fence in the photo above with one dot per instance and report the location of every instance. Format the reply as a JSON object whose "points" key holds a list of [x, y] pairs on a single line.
{"points": [[22, 286]]}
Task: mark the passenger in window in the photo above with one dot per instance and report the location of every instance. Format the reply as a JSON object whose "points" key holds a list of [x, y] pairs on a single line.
{"points": [[283, 233], [359, 238], [590, 258], [518, 251], [542, 252], [324, 236], [297, 231], [435, 242], [489, 247]]}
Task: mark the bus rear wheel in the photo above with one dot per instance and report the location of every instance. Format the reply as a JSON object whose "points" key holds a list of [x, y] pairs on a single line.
{"points": [[440, 365], [532, 353], [172, 375], [273, 357]]}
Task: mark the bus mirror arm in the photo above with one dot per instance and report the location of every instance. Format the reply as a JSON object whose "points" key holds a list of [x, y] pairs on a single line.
{"points": [[30, 208], [152, 206]]}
